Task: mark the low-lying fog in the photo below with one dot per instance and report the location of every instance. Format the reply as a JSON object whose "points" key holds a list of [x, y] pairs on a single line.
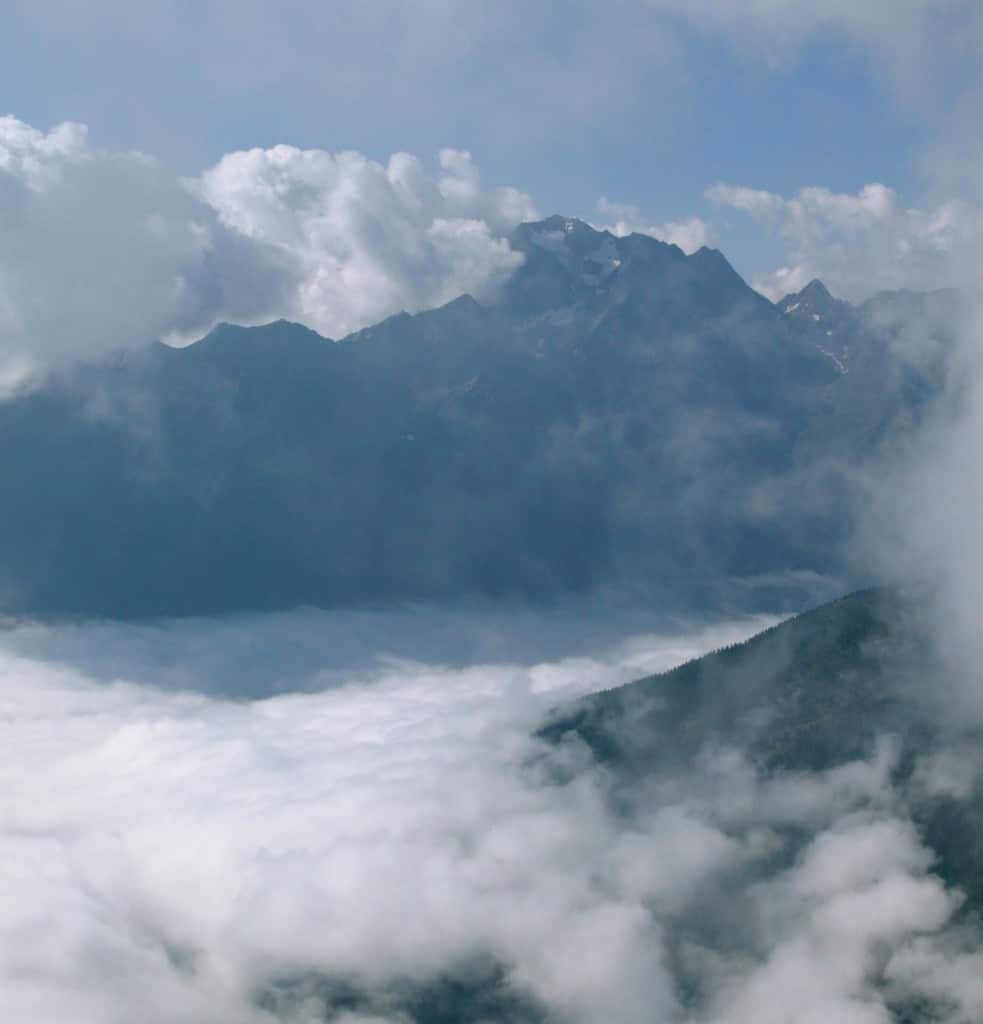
{"points": [[313, 650], [237, 820]]}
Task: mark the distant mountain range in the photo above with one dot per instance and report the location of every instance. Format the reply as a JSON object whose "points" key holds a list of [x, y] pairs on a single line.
{"points": [[625, 417]]}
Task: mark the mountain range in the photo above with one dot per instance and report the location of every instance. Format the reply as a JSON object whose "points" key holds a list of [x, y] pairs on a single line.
{"points": [[622, 418]]}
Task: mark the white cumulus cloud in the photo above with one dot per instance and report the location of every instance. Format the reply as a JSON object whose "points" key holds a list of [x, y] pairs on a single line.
{"points": [[169, 855], [860, 243], [104, 250], [365, 239], [101, 250]]}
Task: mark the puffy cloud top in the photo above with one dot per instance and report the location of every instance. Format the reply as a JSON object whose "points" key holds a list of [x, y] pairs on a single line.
{"points": [[103, 250], [863, 242], [218, 853], [365, 240]]}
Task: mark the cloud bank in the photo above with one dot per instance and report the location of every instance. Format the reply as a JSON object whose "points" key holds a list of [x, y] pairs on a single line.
{"points": [[924, 515], [321, 855], [366, 240], [861, 243], [104, 250]]}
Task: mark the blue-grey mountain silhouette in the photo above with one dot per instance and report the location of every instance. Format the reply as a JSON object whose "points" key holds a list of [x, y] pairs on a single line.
{"points": [[625, 417]]}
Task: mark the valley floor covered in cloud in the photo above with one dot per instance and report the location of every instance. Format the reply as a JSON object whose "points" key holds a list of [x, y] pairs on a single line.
{"points": [[260, 819]]}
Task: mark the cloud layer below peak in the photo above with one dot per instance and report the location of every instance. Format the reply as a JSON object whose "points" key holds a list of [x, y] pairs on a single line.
{"points": [[397, 823]]}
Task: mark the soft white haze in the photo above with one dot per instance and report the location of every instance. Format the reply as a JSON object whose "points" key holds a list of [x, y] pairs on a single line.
{"points": [[366, 240], [168, 855], [863, 243]]}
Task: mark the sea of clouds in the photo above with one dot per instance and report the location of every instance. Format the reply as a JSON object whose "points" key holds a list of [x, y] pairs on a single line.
{"points": [[224, 820]]}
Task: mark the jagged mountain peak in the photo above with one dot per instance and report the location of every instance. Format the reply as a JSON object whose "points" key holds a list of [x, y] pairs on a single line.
{"points": [[711, 260], [814, 294], [565, 238], [815, 303], [570, 264], [815, 289], [829, 322]]}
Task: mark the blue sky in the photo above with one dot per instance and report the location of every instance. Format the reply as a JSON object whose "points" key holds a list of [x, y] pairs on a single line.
{"points": [[872, 106], [653, 126]]}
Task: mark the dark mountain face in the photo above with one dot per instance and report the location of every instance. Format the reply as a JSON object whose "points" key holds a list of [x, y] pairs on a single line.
{"points": [[626, 416]]}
